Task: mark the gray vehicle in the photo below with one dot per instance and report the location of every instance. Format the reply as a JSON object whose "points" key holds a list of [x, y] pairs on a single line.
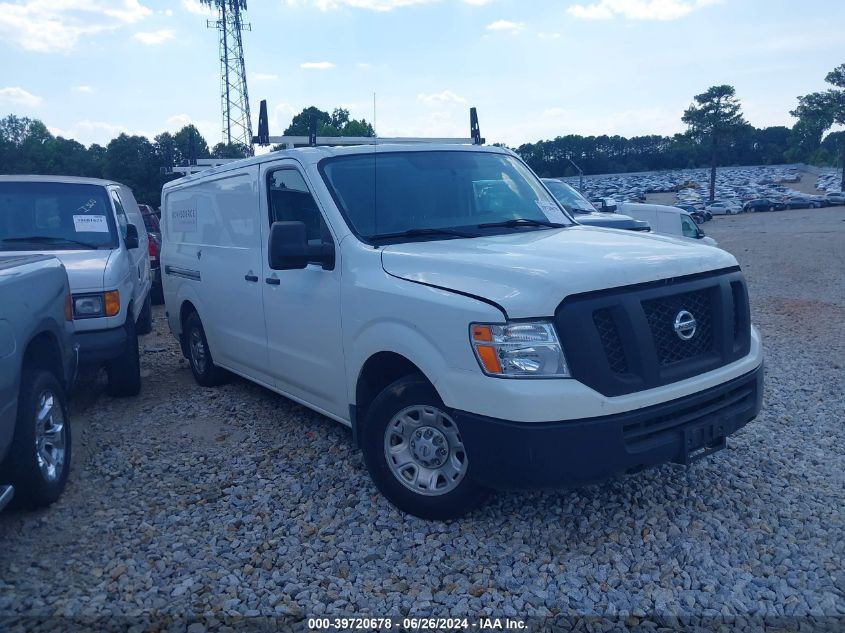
{"points": [[38, 361]]}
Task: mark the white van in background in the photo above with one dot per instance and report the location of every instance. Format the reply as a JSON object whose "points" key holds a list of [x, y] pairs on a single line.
{"points": [[666, 220], [95, 229]]}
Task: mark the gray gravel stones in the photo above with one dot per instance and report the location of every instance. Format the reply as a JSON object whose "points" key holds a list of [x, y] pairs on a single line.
{"points": [[233, 501]]}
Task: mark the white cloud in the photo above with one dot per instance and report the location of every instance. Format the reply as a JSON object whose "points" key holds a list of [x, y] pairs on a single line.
{"points": [[179, 120], [87, 132], [637, 9], [554, 113], [370, 5], [197, 8], [506, 25], [128, 11], [209, 130], [154, 38], [56, 27], [280, 118], [437, 98], [83, 89], [264, 77], [317, 65], [16, 95]]}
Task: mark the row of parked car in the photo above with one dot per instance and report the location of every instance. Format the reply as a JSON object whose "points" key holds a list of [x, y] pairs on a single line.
{"points": [[738, 190], [442, 302]]}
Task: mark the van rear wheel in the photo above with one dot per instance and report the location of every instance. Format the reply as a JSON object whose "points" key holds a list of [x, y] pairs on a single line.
{"points": [[415, 454], [206, 373]]}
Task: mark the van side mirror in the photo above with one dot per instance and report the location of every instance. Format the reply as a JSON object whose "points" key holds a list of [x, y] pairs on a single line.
{"points": [[289, 248], [131, 239]]}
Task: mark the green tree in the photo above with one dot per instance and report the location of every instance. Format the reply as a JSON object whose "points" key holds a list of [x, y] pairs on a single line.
{"points": [[190, 144], [230, 150], [337, 123], [826, 108], [132, 160], [715, 114]]}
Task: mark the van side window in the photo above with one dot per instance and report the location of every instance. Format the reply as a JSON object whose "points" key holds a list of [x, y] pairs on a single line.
{"points": [[122, 221], [689, 227], [291, 201]]}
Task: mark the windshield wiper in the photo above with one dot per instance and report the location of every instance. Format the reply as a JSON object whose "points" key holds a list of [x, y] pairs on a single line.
{"points": [[422, 232], [36, 239], [522, 222]]}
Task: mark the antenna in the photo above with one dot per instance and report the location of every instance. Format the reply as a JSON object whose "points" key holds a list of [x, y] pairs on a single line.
{"points": [[234, 97]]}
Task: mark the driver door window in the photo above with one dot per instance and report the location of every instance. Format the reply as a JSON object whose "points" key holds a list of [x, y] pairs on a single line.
{"points": [[291, 201]]}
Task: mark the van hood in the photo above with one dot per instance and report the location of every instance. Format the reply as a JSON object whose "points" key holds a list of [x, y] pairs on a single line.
{"points": [[529, 273], [85, 268]]}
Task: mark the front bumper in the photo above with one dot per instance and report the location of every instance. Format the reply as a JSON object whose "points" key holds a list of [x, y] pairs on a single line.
{"points": [[504, 454], [100, 346]]}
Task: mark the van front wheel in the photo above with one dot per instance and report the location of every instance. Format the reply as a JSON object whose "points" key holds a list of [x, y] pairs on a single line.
{"points": [[415, 453], [124, 373]]}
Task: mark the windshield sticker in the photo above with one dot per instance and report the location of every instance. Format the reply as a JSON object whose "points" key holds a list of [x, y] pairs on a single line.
{"points": [[551, 211], [88, 206], [184, 220], [90, 224]]}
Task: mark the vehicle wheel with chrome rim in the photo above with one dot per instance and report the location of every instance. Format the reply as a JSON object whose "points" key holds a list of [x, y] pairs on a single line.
{"points": [[415, 454], [39, 458], [206, 373]]}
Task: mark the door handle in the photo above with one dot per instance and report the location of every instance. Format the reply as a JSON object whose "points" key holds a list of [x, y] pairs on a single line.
{"points": [[273, 281], [251, 277]]}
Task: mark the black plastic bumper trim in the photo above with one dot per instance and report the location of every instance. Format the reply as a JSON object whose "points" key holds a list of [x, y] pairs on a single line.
{"points": [[506, 454]]}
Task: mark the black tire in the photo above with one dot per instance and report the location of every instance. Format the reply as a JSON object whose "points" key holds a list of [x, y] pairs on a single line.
{"points": [[34, 488], [145, 319], [124, 373], [407, 392], [157, 294], [206, 373]]}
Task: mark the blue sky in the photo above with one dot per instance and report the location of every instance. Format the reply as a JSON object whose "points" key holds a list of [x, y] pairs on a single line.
{"points": [[535, 68]]}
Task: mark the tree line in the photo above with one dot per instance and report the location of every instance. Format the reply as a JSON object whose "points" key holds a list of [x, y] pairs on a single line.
{"points": [[717, 134]]}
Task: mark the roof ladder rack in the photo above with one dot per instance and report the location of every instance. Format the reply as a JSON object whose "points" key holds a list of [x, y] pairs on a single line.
{"points": [[263, 137]]}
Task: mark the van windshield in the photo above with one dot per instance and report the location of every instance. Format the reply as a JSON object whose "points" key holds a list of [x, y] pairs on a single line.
{"points": [[438, 194], [55, 216]]}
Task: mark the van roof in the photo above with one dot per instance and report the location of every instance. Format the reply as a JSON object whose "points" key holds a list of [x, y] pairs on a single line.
{"points": [[63, 179], [312, 155]]}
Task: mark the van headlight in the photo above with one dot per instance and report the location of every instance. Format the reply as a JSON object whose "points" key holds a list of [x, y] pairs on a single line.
{"points": [[519, 350], [99, 304]]}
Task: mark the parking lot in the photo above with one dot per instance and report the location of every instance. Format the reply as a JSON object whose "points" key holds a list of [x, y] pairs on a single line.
{"points": [[191, 501]]}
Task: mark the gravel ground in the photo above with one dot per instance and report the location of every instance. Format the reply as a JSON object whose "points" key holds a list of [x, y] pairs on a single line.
{"points": [[187, 501]]}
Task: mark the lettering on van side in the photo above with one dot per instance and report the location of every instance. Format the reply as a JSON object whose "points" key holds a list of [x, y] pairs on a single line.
{"points": [[184, 220]]}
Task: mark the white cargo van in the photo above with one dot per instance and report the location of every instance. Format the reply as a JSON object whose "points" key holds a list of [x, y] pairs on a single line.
{"points": [[439, 301], [96, 229], [666, 220]]}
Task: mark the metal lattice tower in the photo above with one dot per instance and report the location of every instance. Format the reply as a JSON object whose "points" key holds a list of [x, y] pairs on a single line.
{"points": [[237, 125]]}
